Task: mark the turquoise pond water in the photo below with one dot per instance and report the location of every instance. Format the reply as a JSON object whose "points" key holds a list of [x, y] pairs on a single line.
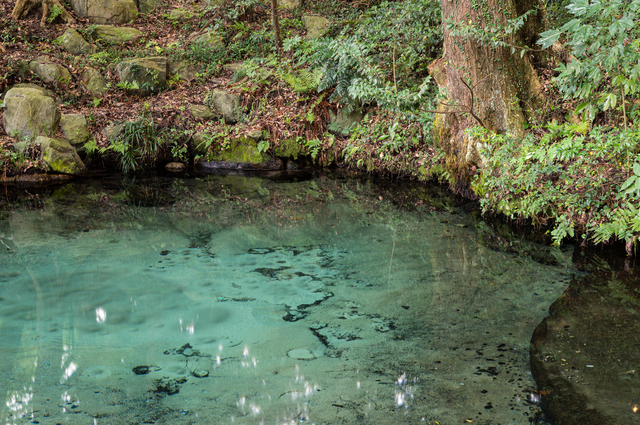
{"points": [[261, 300]]}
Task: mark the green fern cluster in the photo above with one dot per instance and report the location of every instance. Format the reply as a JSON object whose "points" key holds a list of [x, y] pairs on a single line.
{"points": [[303, 80]]}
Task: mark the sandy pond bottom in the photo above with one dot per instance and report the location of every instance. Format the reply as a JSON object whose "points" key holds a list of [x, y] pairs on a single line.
{"points": [[348, 310]]}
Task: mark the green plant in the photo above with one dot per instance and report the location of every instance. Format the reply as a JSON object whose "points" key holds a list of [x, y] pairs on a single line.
{"points": [[605, 70], [56, 11]]}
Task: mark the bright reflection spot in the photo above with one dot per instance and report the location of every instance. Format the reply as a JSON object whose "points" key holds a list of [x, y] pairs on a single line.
{"points": [[358, 384], [190, 329], [218, 361], [255, 409], [245, 353], [403, 391], [101, 315], [69, 371], [635, 408]]}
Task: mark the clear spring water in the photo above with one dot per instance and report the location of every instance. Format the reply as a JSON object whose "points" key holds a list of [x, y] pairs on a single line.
{"points": [[249, 300]]}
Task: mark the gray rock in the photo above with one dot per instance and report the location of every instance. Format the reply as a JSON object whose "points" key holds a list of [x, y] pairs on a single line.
{"points": [[72, 42], [148, 6], [184, 70], [116, 34], [74, 128], [95, 82], [316, 26], [149, 73], [203, 112], [175, 167], [29, 112], [103, 12], [257, 135], [210, 39], [342, 123], [49, 71], [60, 156], [228, 104]]}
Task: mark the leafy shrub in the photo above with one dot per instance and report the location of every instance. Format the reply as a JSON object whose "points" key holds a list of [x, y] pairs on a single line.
{"points": [[605, 72], [572, 179], [383, 58]]}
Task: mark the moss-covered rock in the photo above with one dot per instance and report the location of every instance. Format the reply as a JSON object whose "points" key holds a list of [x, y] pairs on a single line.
{"points": [[49, 71], [30, 112], [74, 128], [288, 148], [72, 42], [241, 154], [148, 6], [203, 112], [210, 39], [150, 74], [60, 156], [183, 70], [116, 34], [95, 82], [228, 104]]}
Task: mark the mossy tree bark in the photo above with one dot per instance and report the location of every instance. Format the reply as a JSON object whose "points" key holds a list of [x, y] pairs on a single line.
{"points": [[498, 86], [23, 7], [276, 24]]}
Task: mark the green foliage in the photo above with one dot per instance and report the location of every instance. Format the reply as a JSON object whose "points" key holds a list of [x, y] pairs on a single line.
{"points": [[302, 80], [137, 144], [576, 180], [604, 37], [383, 58], [56, 11]]}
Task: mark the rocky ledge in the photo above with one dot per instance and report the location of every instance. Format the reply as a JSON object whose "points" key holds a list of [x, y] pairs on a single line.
{"points": [[585, 356]]}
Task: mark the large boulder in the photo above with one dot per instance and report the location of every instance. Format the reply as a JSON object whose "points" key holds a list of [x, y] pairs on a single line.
{"points": [[584, 355], [228, 104], [72, 42], [103, 11], [49, 71], [203, 112], [316, 26], [95, 82], [116, 35], [60, 156], [30, 112], [74, 128], [149, 74], [241, 154]]}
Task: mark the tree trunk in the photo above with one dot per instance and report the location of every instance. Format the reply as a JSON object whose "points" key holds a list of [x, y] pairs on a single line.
{"points": [[23, 7], [487, 86], [276, 24]]}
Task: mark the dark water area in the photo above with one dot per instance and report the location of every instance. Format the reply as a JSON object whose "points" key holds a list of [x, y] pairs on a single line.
{"points": [[290, 298]]}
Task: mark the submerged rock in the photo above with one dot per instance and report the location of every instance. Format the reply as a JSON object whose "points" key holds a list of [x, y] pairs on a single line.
{"points": [[584, 355]]}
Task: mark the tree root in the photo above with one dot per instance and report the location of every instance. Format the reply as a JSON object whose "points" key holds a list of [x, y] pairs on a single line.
{"points": [[23, 7]]}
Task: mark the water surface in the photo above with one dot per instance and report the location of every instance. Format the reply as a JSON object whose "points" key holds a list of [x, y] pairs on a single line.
{"points": [[249, 300]]}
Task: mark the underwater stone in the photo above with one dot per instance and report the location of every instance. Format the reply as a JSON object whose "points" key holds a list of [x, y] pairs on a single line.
{"points": [[301, 354]]}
